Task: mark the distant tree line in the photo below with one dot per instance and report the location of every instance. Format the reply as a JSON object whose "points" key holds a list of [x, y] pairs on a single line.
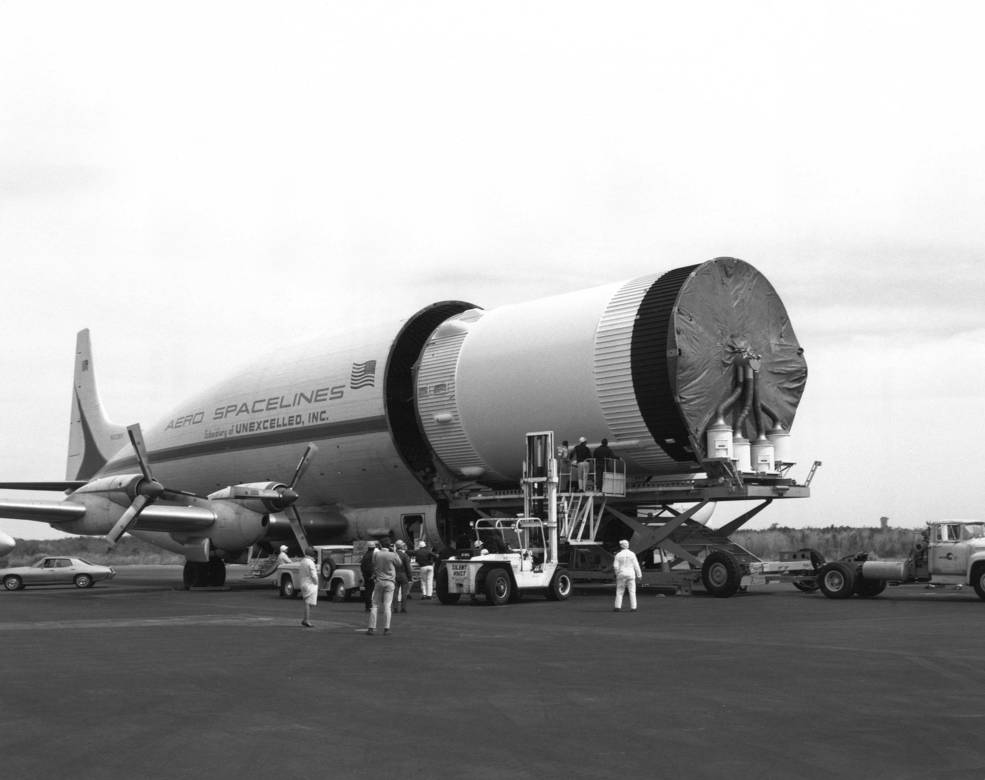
{"points": [[129, 551], [832, 542]]}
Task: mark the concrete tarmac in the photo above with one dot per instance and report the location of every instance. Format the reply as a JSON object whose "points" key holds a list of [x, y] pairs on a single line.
{"points": [[139, 678]]}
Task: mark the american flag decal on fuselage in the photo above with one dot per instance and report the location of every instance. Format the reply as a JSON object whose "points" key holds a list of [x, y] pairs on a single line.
{"points": [[363, 375]]}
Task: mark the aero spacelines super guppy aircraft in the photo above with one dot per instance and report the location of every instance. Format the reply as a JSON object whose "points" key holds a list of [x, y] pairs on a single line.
{"points": [[390, 428]]}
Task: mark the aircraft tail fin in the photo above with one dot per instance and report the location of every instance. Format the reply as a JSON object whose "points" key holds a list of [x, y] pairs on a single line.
{"points": [[92, 439]]}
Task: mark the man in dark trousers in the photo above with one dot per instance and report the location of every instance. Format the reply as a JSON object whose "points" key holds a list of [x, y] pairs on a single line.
{"points": [[602, 454], [404, 576], [366, 567]]}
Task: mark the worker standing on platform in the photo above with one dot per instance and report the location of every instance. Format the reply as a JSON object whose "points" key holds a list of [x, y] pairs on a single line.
{"points": [[602, 454], [562, 455], [583, 457], [627, 569]]}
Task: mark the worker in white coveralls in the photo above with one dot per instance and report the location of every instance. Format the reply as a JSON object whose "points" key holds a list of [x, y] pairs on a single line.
{"points": [[627, 569]]}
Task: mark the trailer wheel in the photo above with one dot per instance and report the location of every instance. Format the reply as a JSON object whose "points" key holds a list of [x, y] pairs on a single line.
{"points": [[498, 587], [721, 574], [868, 588], [978, 580], [837, 580], [441, 586], [561, 585]]}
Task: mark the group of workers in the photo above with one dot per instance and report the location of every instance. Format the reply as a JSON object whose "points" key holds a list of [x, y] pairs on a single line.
{"points": [[386, 571], [386, 565], [581, 465], [387, 576]]}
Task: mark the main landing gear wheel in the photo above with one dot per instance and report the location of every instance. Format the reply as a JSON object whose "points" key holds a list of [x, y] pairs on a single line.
{"points": [[197, 574], [190, 575], [561, 586], [498, 587], [837, 580], [216, 573], [441, 588], [721, 574]]}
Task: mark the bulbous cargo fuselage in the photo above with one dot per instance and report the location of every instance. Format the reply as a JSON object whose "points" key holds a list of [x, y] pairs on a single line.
{"points": [[399, 411]]}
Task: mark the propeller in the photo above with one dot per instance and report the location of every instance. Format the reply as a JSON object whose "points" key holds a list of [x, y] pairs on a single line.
{"points": [[148, 490], [284, 503]]}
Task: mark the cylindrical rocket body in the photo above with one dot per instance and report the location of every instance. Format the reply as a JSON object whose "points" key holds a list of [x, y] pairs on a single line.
{"points": [[643, 363]]}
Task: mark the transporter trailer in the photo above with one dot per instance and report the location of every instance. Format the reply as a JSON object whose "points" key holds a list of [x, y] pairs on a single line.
{"points": [[664, 519], [947, 552]]}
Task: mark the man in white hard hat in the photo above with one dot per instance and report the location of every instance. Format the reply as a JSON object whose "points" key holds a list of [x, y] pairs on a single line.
{"points": [[627, 569], [282, 556]]}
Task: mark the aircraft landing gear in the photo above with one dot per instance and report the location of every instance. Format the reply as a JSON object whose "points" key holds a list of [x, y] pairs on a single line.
{"points": [[204, 575]]}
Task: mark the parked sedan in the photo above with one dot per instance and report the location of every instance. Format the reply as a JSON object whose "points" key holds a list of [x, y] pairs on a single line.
{"points": [[56, 570]]}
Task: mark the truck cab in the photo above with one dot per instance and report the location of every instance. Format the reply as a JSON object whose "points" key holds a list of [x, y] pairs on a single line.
{"points": [[955, 550]]}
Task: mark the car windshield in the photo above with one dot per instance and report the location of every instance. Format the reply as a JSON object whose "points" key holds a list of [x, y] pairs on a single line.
{"points": [[40, 563], [83, 560]]}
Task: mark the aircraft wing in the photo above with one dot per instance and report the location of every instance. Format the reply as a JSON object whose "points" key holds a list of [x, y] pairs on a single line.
{"points": [[159, 517], [62, 486], [44, 511]]}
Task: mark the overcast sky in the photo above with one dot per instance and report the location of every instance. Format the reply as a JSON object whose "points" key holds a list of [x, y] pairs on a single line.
{"points": [[198, 181]]}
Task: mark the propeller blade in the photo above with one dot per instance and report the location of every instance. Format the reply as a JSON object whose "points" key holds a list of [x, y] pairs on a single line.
{"points": [[303, 464], [293, 518], [137, 440], [126, 519]]}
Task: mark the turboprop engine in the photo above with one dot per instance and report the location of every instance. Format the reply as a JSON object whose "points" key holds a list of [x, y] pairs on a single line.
{"points": [[236, 527]]}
